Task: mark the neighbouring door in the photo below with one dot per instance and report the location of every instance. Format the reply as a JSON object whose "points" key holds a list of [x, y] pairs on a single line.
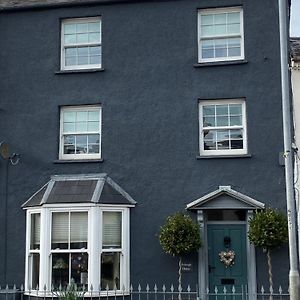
{"points": [[222, 240]]}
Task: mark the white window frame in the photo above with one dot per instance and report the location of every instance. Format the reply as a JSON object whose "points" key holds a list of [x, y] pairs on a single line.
{"points": [[31, 252], [223, 152], [79, 156], [200, 38], [94, 249], [63, 46]]}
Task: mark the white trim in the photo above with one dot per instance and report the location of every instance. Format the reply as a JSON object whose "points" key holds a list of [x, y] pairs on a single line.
{"points": [[243, 127], [75, 156], [241, 35], [63, 47], [254, 204]]}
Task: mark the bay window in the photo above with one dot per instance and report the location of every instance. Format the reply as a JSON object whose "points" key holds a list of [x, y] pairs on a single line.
{"points": [[85, 245]]}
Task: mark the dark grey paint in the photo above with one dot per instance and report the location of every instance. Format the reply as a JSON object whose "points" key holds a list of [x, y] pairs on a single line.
{"points": [[149, 92]]}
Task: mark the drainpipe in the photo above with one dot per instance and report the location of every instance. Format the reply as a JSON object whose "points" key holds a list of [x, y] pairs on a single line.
{"points": [[286, 115]]}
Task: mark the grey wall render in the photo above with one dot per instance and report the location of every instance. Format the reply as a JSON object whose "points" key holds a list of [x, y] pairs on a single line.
{"points": [[149, 94]]}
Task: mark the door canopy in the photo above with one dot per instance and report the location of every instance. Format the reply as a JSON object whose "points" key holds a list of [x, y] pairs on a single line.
{"points": [[225, 198]]}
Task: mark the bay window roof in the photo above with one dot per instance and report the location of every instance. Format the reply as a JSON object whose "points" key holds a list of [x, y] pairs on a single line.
{"points": [[80, 188]]}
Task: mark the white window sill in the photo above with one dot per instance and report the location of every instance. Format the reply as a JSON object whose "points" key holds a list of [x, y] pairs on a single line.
{"points": [[220, 63]]}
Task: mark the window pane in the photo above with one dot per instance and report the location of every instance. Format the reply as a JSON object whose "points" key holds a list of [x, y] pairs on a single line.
{"points": [[93, 126], [235, 120], [110, 271], [222, 110], [222, 121], [233, 17], [69, 116], [60, 231], [207, 30], [236, 134], [60, 270], [83, 51], [71, 52], [220, 29], [69, 144], [95, 50], [207, 19], [112, 228], [82, 38], [94, 37], [234, 52], [93, 115], [209, 121], [69, 127], [79, 268], [209, 110], [70, 61], [235, 109], [81, 126], [95, 60], [220, 18], [81, 116], [221, 47], [35, 231], [94, 148], [209, 139], [70, 28], [70, 39], [93, 138], [222, 139], [83, 60], [233, 28], [94, 26], [81, 27], [79, 230], [34, 266]]}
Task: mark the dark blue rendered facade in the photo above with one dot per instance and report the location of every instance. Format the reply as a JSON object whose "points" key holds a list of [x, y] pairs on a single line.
{"points": [[149, 92]]}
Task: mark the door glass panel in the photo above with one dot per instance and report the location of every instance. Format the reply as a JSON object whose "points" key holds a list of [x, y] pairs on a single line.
{"points": [[226, 215]]}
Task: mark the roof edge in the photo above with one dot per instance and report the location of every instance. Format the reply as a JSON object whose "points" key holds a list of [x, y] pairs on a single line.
{"points": [[229, 191]]}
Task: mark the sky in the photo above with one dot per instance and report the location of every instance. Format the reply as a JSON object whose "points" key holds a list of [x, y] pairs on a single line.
{"points": [[295, 19]]}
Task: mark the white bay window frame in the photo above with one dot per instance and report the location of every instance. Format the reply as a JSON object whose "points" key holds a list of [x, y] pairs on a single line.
{"points": [[202, 38], [202, 128], [65, 46], [63, 133], [94, 248]]}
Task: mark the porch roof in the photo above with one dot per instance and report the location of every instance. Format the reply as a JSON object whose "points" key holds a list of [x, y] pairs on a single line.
{"points": [[225, 198], [80, 188]]}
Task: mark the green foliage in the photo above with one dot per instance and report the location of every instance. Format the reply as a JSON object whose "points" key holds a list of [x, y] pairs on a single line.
{"points": [[268, 229], [179, 235], [70, 293]]}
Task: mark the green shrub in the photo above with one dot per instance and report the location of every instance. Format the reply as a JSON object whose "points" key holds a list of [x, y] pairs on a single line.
{"points": [[179, 235], [268, 229]]}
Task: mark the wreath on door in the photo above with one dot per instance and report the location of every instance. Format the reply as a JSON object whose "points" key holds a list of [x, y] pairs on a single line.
{"points": [[227, 258]]}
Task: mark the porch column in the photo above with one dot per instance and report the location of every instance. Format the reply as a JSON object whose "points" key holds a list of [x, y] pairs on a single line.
{"points": [[201, 257], [251, 263]]}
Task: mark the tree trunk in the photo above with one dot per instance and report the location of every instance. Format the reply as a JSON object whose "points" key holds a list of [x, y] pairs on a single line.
{"points": [[270, 273], [179, 277]]}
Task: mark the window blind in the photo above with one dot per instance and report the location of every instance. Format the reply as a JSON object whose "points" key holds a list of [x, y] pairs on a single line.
{"points": [[60, 227], [112, 227], [35, 231], [78, 230], [79, 227]]}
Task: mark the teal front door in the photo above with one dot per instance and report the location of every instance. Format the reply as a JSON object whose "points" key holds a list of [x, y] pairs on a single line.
{"points": [[223, 240]]}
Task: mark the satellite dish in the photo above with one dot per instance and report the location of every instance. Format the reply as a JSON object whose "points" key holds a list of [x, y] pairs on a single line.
{"points": [[4, 151]]}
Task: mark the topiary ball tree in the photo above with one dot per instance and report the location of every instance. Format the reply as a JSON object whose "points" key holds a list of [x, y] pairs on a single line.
{"points": [[268, 229], [179, 235]]}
